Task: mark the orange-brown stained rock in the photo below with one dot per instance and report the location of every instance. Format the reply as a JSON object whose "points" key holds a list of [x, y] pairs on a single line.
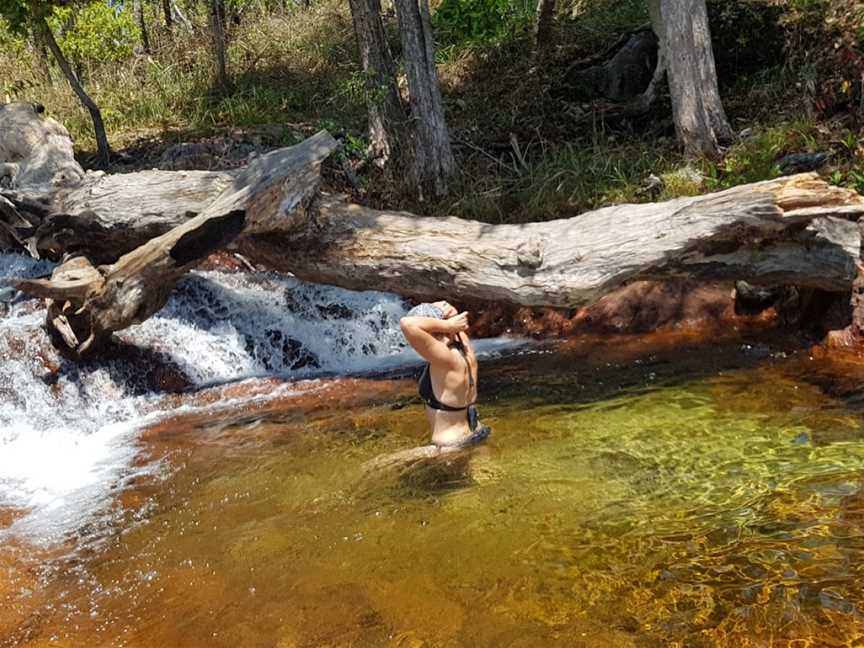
{"points": [[224, 261], [8, 516], [301, 399], [639, 307], [841, 340]]}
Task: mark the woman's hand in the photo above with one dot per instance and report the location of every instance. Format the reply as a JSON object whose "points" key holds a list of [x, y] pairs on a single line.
{"points": [[446, 308], [457, 323]]}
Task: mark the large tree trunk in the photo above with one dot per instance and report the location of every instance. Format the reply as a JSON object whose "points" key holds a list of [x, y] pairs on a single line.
{"points": [[686, 55], [138, 11], [430, 164], [216, 10], [795, 230], [104, 150], [387, 118]]}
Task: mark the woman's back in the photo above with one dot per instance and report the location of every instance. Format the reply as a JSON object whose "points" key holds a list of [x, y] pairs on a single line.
{"points": [[448, 390], [448, 385]]}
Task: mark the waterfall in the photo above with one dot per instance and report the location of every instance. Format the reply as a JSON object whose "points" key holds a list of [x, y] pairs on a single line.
{"points": [[68, 429]]}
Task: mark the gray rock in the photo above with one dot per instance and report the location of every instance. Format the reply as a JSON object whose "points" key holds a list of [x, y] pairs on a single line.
{"points": [[750, 299], [623, 77], [801, 162]]}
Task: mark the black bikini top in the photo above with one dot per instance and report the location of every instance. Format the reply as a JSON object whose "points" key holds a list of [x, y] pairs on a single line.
{"points": [[427, 394]]}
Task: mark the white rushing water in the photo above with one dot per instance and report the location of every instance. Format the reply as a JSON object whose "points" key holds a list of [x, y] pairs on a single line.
{"points": [[68, 431]]}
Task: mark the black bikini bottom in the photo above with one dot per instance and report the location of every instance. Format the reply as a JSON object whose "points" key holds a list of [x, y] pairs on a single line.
{"points": [[479, 432]]}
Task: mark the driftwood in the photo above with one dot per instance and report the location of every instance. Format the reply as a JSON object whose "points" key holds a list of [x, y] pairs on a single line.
{"points": [[86, 304], [796, 230], [137, 233]]}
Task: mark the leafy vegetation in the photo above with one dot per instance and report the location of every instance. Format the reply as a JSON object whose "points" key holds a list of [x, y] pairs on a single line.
{"points": [[460, 22], [96, 34]]}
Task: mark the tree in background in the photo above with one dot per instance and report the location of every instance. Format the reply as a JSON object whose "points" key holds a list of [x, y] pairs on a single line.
{"points": [[166, 12], [413, 137], [387, 118], [138, 11], [431, 162], [543, 27], [216, 15], [686, 55], [43, 62], [32, 16]]}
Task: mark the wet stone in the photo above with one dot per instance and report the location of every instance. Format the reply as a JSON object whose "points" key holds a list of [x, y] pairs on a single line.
{"points": [[290, 351], [334, 311], [11, 398]]}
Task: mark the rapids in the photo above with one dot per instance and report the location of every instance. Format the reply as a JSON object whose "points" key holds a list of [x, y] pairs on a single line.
{"points": [[68, 431]]}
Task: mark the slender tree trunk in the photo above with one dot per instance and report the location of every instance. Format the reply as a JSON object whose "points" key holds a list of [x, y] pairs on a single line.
{"points": [[43, 63], [431, 162], [685, 53], [187, 24], [104, 150], [138, 11], [217, 35], [387, 118], [543, 28], [166, 11]]}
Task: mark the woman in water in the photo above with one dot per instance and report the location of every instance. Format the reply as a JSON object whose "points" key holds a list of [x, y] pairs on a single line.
{"points": [[448, 384]]}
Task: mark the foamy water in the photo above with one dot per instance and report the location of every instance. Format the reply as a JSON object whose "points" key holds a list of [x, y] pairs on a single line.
{"points": [[68, 431]]}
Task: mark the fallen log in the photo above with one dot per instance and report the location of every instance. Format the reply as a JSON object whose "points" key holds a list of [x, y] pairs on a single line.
{"points": [[86, 305], [147, 228], [795, 230]]}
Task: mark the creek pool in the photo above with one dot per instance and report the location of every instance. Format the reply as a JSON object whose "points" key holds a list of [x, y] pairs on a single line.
{"points": [[682, 497]]}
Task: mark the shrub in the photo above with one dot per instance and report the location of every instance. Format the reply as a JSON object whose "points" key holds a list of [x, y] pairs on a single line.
{"points": [[96, 33], [480, 21]]}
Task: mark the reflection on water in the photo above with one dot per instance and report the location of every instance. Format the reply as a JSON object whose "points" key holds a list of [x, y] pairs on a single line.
{"points": [[702, 505]]}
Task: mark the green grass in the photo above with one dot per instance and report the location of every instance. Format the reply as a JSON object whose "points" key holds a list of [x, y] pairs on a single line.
{"points": [[295, 69], [567, 179], [560, 181]]}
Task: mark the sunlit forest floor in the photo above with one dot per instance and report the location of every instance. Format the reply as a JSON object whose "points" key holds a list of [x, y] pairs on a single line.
{"points": [[531, 144]]}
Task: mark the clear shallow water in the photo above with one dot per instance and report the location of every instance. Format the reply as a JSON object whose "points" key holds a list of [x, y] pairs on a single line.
{"points": [[710, 498]]}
